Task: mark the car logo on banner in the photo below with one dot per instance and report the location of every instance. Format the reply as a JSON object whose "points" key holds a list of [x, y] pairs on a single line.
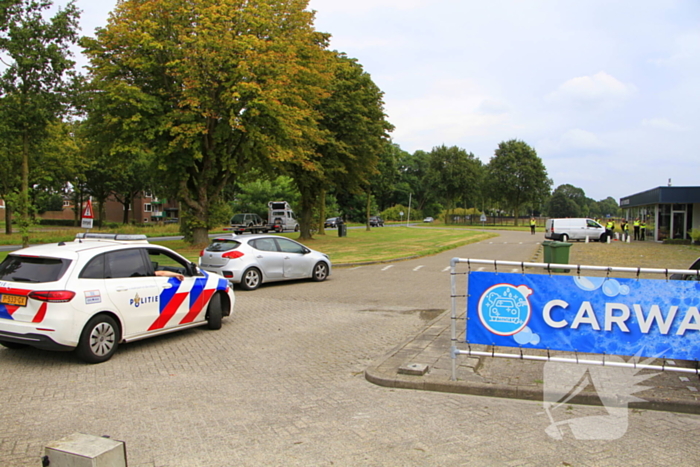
{"points": [[504, 309]]}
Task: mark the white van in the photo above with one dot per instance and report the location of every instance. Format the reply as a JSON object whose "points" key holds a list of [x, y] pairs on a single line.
{"points": [[574, 229]]}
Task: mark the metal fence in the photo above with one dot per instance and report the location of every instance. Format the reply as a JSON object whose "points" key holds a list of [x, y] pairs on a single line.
{"points": [[550, 268]]}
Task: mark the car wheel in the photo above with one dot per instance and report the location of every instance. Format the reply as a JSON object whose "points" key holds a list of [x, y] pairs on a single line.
{"points": [[564, 238], [99, 340], [214, 312], [13, 345], [251, 279], [320, 272]]}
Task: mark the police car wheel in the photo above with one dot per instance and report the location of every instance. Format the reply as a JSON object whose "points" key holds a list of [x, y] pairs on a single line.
{"points": [[99, 340], [251, 279], [214, 312], [13, 345]]}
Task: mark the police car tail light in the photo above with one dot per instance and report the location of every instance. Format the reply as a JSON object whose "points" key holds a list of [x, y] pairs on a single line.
{"points": [[56, 296], [232, 254]]}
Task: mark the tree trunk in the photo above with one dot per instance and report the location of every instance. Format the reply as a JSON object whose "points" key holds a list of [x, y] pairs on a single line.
{"points": [[322, 213], [307, 208], [8, 219], [24, 193], [200, 236], [368, 208]]}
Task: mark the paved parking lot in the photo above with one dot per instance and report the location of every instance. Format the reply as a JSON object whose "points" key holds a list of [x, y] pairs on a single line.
{"points": [[282, 384]]}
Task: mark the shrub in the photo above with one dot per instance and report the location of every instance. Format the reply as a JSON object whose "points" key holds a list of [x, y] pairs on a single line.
{"points": [[394, 213]]}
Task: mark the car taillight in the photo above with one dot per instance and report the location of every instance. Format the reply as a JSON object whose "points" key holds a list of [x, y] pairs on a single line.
{"points": [[57, 296], [232, 254], [201, 253]]}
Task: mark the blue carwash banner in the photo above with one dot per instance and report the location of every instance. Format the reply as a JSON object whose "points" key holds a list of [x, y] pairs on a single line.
{"points": [[601, 315]]}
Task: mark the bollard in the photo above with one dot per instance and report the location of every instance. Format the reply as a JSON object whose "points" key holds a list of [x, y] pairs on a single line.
{"points": [[609, 237], [586, 238], [628, 239]]}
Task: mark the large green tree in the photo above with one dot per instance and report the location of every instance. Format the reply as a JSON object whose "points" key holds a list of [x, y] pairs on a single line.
{"points": [[568, 201], [34, 86], [208, 90], [516, 176], [356, 133], [454, 175]]}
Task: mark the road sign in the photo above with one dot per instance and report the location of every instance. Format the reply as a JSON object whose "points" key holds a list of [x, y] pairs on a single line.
{"points": [[87, 216], [87, 212]]}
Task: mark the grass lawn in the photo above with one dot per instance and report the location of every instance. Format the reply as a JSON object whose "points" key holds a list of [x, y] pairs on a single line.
{"points": [[397, 242], [360, 245], [378, 244]]}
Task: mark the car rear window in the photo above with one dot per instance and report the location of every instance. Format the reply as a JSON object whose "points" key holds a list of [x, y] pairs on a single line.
{"points": [[223, 244], [33, 269]]}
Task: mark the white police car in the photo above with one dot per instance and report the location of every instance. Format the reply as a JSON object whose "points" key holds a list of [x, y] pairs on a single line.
{"points": [[101, 290]]}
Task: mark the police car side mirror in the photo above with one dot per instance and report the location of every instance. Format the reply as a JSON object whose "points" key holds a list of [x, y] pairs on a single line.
{"points": [[194, 270]]}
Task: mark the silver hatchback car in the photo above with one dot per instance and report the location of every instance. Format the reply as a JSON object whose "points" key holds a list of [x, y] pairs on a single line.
{"points": [[251, 260]]}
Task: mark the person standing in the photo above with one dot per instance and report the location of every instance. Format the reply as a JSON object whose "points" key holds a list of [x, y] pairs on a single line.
{"points": [[532, 226], [625, 230], [610, 229], [636, 229], [643, 231]]}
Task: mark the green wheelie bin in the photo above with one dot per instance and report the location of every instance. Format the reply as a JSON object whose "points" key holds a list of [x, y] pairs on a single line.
{"points": [[556, 252]]}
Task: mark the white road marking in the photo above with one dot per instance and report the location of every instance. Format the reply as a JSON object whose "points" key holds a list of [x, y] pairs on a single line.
{"points": [[447, 269], [417, 268], [387, 267]]}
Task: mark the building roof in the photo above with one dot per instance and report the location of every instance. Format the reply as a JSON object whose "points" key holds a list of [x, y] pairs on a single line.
{"points": [[663, 195]]}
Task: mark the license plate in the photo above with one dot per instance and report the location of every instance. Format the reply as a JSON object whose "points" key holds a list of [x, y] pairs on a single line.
{"points": [[13, 300]]}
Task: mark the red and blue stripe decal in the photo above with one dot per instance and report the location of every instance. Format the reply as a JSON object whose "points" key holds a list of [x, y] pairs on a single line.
{"points": [[171, 299], [6, 311]]}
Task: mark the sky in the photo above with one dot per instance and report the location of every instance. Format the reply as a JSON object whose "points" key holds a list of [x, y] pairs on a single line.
{"points": [[606, 92]]}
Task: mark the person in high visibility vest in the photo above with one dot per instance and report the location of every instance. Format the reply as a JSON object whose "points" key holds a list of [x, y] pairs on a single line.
{"points": [[636, 228], [610, 229], [625, 230], [643, 231], [532, 226]]}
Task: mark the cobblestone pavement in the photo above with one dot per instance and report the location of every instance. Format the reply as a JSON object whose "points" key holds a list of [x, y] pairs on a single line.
{"points": [[282, 384]]}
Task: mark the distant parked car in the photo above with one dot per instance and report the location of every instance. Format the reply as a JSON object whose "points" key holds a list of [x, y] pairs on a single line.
{"points": [[252, 260], [332, 222], [376, 221], [428, 219]]}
